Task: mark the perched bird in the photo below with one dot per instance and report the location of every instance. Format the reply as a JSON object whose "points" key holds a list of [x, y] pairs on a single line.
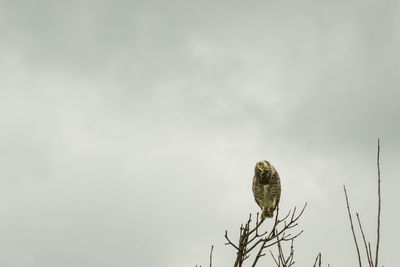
{"points": [[266, 188]]}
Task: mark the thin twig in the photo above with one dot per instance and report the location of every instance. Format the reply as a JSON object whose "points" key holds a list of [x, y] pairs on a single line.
{"points": [[317, 260], [369, 248], [273, 257], [286, 261], [379, 205], [212, 247], [352, 228], [229, 241], [281, 256], [320, 260], [365, 242]]}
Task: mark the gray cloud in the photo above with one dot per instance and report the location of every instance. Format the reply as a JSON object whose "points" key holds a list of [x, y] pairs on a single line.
{"points": [[130, 130]]}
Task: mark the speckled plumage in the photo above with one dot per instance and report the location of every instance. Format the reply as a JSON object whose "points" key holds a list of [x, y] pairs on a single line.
{"points": [[266, 188]]}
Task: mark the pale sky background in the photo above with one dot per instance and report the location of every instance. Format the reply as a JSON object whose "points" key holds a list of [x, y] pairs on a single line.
{"points": [[130, 130]]}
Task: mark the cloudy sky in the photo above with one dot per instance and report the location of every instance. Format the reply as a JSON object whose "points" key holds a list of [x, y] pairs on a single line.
{"points": [[130, 130]]}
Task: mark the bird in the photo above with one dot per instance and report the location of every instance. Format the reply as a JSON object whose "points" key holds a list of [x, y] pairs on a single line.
{"points": [[266, 188]]}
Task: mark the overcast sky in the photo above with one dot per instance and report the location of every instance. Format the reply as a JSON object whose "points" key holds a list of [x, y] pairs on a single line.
{"points": [[130, 130]]}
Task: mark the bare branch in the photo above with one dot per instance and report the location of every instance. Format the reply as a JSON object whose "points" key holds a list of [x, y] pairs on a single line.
{"points": [[369, 248], [251, 237], [273, 257], [318, 260], [369, 257], [282, 259], [212, 247], [379, 205], [280, 235], [229, 241], [352, 228]]}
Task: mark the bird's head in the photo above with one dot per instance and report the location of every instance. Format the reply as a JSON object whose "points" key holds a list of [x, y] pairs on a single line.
{"points": [[263, 169]]}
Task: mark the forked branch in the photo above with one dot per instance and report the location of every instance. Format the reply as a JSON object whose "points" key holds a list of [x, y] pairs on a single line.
{"points": [[367, 245]]}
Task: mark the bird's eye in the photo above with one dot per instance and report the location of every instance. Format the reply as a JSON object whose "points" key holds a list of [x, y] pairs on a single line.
{"points": [[261, 166]]}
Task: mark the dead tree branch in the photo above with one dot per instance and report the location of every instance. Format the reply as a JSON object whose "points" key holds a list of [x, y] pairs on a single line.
{"points": [[369, 256], [367, 245], [282, 260], [352, 228], [212, 247], [318, 261], [251, 237], [379, 205]]}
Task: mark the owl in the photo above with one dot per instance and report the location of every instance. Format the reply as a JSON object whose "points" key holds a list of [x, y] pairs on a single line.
{"points": [[266, 188]]}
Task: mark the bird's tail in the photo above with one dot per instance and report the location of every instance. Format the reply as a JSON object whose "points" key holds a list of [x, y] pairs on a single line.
{"points": [[267, 213]]}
